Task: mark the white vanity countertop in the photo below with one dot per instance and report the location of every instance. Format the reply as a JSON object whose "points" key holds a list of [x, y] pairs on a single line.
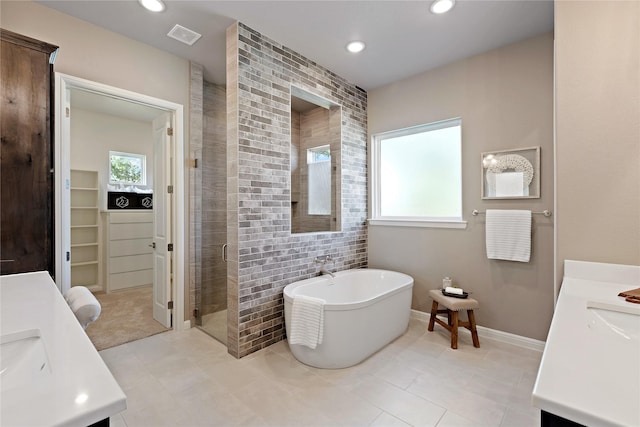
{"points": [[79, 389], [590, 369]]}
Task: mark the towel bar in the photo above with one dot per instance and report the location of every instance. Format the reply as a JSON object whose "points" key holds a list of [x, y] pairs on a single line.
{"points": [[545, 212]]}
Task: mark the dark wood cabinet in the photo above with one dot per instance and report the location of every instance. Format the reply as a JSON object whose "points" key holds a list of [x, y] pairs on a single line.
{"points": [[26, 154]]}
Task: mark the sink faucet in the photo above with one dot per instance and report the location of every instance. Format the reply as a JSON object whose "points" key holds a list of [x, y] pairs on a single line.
{"points": [[323, 267]]}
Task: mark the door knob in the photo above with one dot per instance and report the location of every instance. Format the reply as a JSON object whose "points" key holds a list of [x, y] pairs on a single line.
{"points": [[153, 245]]}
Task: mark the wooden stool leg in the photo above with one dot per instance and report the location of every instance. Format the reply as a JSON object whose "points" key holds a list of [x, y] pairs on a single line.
{"points": [[434, 312], [454, 329], [472, 325]]}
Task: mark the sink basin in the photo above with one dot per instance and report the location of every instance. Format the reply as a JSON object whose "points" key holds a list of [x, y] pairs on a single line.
{"points": [[23, 359], [619, 322]]}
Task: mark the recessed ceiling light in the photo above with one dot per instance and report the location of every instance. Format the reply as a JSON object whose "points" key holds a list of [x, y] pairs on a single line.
{"points": [[152, 5], [355, 47], [81, 398], [442, 6]]}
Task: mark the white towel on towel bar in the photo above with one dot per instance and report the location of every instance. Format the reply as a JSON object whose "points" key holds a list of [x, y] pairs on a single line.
{"points": [[509, 235], [307, 321]]}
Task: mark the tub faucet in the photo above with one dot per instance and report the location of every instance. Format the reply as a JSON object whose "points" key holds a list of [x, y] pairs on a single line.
{"points": [[323, 270], [323, 265]]}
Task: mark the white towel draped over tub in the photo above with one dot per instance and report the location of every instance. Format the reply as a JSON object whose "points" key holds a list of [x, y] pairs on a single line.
{"points": [[509, 235], [307, 321]]}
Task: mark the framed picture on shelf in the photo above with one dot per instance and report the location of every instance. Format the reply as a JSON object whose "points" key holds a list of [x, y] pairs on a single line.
{"points": [[511, 174]]}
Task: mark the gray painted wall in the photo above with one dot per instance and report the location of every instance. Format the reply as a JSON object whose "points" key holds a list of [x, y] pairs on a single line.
{"points": [[598, 131], [505, 100]]}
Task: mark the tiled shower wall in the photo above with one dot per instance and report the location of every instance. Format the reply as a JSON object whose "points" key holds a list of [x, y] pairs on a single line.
{"points": [[263, 254], [308, 130], [214, 199]]}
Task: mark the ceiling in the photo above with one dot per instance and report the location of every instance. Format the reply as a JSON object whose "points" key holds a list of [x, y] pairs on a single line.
{"points": [[403, 38]]}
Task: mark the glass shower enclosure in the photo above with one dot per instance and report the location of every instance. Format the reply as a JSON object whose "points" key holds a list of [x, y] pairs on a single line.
{"points": [[211, 192]]}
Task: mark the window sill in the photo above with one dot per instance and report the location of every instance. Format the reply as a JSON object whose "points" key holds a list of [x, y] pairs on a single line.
{"points": [[419, 223]]}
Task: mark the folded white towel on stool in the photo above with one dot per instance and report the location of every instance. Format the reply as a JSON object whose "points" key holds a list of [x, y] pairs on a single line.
{"points": [[307, 321], [83, 304], [508, 235]]}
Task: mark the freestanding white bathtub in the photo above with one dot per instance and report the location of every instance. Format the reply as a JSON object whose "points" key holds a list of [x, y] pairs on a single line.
{"points": [[365, 310]]}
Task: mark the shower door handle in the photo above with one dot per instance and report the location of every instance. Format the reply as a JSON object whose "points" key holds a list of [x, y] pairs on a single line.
{"points": [[224, 252]]}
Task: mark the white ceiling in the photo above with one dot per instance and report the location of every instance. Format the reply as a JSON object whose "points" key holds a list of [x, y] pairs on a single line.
{"points": [[403, 38]]}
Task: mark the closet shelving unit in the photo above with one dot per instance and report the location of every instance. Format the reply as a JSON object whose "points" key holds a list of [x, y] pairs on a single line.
{"points": [[86, 250]]}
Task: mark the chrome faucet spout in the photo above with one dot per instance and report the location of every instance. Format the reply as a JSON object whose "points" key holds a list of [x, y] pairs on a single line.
{"points": [[323, 270], [323, 265]]}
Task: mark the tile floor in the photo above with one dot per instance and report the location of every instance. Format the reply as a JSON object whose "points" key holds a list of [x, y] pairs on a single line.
{"points": [[187, 379]]}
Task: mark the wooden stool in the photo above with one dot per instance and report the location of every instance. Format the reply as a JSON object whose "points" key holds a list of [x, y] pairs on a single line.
{"points": [[453, 306]]}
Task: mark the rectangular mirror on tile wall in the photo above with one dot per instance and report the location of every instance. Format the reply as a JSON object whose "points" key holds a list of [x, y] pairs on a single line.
{"points": [[316, 135]]}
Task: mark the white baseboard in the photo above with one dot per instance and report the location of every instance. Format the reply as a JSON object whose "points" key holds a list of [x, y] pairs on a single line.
{"points": [[420, 315], [186, 324], [492, 334]]}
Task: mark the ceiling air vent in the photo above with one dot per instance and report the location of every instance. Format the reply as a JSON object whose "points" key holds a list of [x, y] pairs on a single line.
{"points": [[184, 35]]}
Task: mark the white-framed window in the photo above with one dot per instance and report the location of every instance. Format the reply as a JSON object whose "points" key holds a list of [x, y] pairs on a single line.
{"points": [[319, 154], [417, 176], [319, 180], [127, 168]]}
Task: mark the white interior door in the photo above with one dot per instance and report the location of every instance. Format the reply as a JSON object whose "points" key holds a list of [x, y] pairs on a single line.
{"points": [[174, 286], [162, 256]]}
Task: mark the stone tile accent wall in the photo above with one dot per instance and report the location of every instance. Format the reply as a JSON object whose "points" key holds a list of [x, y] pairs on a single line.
{"points": [[263, 254], [232, 192]]}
